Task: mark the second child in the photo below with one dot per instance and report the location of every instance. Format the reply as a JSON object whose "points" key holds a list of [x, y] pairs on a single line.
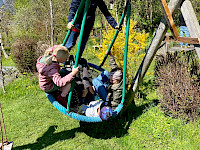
{"points": [[109, 85]]}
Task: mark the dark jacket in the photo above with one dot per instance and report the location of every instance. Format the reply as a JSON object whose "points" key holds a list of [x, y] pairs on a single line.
{"points": [[181, 20], [114, 90], [91, 14]]}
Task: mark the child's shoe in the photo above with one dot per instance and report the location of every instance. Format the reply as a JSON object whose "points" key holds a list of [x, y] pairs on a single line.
{"points": [[84, 63], [82, 100], [62, 100], [80, 112]]}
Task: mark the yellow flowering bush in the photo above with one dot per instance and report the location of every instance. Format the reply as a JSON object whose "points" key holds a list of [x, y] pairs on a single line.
{"points": [[137, 42]]}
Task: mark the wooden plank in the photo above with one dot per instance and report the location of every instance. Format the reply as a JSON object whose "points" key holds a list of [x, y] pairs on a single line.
{"points": [[174, 49], [191, 22], [183, 39], [169, 19], [190, 19], [188, 40]]}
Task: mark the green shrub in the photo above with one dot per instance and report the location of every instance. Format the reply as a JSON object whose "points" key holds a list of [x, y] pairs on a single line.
{"points": [[23, 51], [26, 50], [177, 76]]}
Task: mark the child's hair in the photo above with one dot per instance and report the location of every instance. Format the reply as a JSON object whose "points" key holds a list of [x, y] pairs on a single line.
{"points": [[116, 73], [56, 51]]}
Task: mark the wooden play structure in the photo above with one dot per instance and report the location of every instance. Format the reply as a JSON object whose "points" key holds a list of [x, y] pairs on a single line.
{"points": [[160, 35]]}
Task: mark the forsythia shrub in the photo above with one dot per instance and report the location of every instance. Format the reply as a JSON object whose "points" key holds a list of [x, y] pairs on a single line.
{"points": [[137, 43]]}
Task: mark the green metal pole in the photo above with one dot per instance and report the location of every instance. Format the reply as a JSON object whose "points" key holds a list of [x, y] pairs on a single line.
{"points": [[114, 38], [74, 21], [125, 52], [78, 50]]}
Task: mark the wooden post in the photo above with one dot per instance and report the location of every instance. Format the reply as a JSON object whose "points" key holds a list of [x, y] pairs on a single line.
{"points": [[157, 39], [169, 19], [116, 11], [191, 22]]}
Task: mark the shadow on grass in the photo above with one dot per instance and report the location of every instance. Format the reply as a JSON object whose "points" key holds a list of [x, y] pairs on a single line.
{"points": [[49, 138], [116, 127]]}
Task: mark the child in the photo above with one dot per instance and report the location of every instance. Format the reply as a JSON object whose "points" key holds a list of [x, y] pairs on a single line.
{"points": [[109, 85], [183, 29], [49, 77], [85, 81], [89, 22], [97, 108], [83, 84]]}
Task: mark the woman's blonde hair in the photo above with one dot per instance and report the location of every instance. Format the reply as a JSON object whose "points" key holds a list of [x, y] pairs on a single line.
{"points": [[56, 51]]}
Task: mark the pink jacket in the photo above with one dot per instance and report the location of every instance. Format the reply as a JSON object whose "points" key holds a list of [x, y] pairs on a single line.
{"points": [[49, 75]]}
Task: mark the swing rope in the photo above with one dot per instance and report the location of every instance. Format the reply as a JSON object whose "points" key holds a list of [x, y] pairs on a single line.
{"points": [[127, 12], [115, 36], [78, 50], [126, 52], [74, 21]]}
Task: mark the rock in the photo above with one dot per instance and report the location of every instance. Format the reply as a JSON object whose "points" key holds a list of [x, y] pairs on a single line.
{"points": [[10, 73]]}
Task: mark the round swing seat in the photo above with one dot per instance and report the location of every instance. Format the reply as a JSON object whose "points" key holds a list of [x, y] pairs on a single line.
{"points": [[75, 115]]}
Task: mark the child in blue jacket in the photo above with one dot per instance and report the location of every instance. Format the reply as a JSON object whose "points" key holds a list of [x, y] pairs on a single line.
{"points": [[89, 22]]}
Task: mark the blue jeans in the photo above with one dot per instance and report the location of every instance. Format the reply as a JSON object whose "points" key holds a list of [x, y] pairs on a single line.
{"points": [[184, 31], [101, 83], [72, 41]]}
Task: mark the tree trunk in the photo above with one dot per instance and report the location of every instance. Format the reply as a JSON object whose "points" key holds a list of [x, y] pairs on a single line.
{"points": [[155, 43], [151, 12], [1, 44], [1, 71], [52, 23], [125, 16], [1, 75], [116, 12], [106, 28], [101, 20]]}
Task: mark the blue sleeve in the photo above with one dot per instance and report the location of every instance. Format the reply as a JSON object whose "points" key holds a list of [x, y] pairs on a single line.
{"points": [[102, 6], [73, 8]]}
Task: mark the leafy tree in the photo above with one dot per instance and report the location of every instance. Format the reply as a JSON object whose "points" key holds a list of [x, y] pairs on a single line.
{"points": [[33, 17]]}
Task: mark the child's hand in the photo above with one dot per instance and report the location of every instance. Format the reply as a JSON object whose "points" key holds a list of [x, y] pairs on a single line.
{"points": [[70, 25], [75, 71]]}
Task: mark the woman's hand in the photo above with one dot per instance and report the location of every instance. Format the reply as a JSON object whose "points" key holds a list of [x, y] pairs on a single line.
{"points": [[119, 28], [70, 25]]}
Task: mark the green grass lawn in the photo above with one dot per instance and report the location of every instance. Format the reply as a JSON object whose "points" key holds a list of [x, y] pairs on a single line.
{"points": [[33, 123], [8, 61]]}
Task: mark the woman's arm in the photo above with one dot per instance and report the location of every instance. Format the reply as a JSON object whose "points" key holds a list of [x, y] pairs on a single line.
{"points": [[73, 8], [102, 6]]}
